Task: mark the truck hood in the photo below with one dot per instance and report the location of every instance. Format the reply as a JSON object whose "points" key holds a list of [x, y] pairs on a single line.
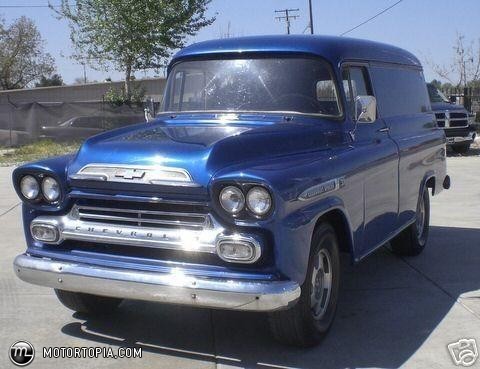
{"points": [[442, 106], [203, 147]]}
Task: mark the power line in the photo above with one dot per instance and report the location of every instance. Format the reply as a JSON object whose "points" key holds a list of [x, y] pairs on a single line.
{"points": [[287, 17], [371, 18], [29, 6]]}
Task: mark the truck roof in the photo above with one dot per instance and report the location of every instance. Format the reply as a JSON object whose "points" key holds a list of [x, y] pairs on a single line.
{"points": [[333, 48]]}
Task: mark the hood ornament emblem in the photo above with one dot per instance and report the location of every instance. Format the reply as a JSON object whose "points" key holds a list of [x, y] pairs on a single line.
{"points": [[130, 173], [153, 175]]}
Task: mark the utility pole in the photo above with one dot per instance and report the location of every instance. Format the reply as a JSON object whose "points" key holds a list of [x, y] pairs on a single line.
{"points": [[311, 16], [287, 17], [84, 74]]}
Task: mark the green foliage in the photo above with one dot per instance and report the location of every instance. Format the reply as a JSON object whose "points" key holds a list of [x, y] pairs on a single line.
{"points": [[436, 83], [474, 84], [138, 95], [118, 97], [53, 80], [130, 34], [22, 58], [114, 97]]}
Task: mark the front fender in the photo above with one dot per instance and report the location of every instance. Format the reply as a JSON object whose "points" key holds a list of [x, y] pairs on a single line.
{"points": [[55, 167], [294, 238]]}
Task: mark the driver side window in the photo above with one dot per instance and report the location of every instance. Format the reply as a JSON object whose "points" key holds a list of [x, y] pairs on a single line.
{"points": [[355, 83]]}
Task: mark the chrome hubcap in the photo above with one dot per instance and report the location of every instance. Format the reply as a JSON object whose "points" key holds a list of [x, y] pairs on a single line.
{"points": [[420, 222], [321, 284]]}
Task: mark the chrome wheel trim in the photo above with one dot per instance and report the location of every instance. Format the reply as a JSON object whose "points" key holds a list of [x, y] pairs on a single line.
{"points": [[321, 284], [420, 221]]}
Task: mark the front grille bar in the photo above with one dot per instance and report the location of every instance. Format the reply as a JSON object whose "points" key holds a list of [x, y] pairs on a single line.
{"points": [[142, 217]]}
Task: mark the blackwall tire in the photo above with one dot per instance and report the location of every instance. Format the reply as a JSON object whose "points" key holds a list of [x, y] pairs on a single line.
{"points": [[306, 323], [412, 240], [461, 149]]}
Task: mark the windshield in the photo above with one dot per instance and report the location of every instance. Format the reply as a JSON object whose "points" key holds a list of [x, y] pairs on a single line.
{"points": [[436, 96], [252, 85]]}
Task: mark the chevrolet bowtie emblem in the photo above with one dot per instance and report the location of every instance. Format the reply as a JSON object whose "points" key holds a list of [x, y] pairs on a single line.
{"points": [[130, 173]]}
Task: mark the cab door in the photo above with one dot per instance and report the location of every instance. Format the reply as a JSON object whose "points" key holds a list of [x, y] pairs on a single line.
{"points": [[379, 167]]}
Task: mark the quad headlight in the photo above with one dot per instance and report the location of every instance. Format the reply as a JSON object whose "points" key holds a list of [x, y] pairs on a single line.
{"points": [[50, 189], [29, 187], [259, 201], [40, 187], [255, 200], [232, 199]]}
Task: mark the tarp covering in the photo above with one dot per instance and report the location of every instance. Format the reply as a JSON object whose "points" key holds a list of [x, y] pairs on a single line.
{"points": [[27, 122]]}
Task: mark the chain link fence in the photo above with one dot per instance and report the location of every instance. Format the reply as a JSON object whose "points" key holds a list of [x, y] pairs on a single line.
{"points": [[468, 97], [27, 122], [70, 112]]}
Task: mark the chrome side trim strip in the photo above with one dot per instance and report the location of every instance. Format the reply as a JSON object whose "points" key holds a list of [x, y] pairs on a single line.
{"points": [[172, 288]]}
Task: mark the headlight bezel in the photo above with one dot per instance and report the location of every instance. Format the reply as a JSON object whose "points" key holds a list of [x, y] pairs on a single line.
{"points": [[246, 214], [40, 200]]}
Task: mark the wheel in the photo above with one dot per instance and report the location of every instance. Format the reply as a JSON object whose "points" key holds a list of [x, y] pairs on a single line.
{"points": [[461, 149], [412, 240], [307, 322], [88, 304]]}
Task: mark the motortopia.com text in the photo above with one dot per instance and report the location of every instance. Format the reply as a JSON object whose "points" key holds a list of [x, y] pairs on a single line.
{"points": [[92, 352]]}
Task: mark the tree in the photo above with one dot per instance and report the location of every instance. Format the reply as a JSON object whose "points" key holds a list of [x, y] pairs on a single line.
{"points": [[53, 80], [131, 35], [436, 83], [465, 66], [22, 58]]}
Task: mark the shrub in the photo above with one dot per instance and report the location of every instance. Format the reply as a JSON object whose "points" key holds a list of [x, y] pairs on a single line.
{"points": [[118, 97]]}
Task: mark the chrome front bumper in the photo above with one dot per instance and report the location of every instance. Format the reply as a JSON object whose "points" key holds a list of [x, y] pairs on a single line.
{"points": [[173, 288], [461, 139]]}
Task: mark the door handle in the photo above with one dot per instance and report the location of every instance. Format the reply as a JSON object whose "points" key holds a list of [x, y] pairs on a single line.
{"points": [[385, 129]]}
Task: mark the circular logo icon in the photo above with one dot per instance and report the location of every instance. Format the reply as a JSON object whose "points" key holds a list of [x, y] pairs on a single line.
{"points": [[21, 353]]}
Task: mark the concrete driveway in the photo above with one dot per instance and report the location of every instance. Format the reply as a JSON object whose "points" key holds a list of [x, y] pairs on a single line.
{"points": [[393, 311]]}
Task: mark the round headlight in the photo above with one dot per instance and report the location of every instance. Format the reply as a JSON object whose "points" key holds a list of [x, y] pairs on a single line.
{"points": [[232, 199], [50, 189], [259, 200], [29, 187]]}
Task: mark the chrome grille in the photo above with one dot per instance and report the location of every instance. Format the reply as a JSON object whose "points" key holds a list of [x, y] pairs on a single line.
{"points": [[451, 119], [458, 115], [142, 218], [440, 119]]}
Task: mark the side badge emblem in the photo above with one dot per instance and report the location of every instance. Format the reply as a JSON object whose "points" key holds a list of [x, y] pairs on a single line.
{"points": [[322, 188]]}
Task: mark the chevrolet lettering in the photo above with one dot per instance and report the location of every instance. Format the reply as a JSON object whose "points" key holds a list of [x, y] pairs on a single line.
{"points": [[270, 157]]}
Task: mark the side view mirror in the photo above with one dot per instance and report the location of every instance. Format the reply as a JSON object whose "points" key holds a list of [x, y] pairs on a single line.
{"points": [[365, 109], [148, 115], [149, 110]]}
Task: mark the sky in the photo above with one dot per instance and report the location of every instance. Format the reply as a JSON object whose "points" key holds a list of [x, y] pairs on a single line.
{"points": [[427, 28]]}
